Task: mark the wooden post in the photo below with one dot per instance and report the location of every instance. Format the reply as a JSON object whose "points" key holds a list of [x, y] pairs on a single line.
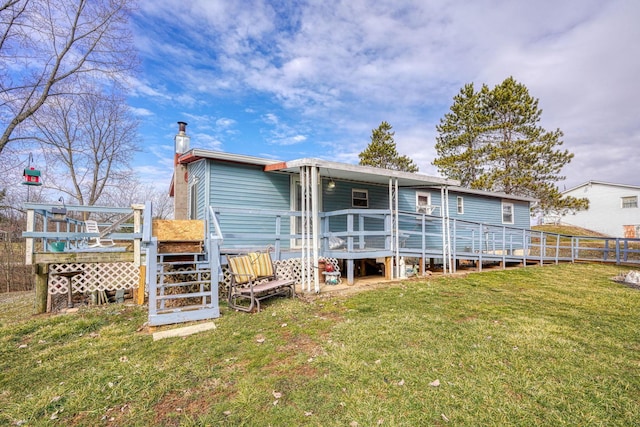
{"points": [[29, 240], [41, 273], [388, 268], [137, 228], [139, 295]]}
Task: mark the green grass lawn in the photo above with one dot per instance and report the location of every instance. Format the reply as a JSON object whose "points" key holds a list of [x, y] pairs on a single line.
{"points": [[553, 345]]}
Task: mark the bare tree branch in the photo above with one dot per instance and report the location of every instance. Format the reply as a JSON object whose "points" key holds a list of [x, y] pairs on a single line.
{"points": [[49, 47], [91, 139]]}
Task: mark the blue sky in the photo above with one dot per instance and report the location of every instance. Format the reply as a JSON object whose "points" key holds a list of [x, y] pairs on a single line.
{"points": [[288, 79]]}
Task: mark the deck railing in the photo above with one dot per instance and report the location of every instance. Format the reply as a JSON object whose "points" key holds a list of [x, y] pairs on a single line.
{"points": [[368, 233], [53, 229]]}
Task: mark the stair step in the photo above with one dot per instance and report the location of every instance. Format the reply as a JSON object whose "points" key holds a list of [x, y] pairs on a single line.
{"points": [[185, 271], [177, 254], [189, 283], [185, 308], [179, 296], [185, 263]]}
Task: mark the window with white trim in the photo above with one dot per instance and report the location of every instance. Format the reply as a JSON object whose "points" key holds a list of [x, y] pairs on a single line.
{"points": [[359, 198], [193, 200], [423, 202], [630, 202], [507, 213], [460, 202]]}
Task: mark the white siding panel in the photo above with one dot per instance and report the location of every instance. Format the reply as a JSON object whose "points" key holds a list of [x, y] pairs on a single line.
{"points": [[606, 214]]}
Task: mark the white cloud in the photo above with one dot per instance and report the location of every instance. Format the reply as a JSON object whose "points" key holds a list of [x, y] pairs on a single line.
{"points": [[329, 72], [141, 112]]}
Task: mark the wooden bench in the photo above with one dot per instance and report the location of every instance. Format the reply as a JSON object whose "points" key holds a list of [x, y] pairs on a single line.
{"points": [[253, 278]]}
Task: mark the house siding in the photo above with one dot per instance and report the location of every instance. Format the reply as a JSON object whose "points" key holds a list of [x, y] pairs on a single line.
{"points": [[248, 186], [605, 214], [197, 176], [477, 209], [340, 198]]}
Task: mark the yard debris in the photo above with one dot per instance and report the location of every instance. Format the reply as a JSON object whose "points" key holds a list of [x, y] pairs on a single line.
{"points": [[226, 413], [308, 413], [260, 340], [444, 417], [276, 394], [631, 279], [353, 424], [435, 383], [184, 331], [23, 346], [401, 382]]}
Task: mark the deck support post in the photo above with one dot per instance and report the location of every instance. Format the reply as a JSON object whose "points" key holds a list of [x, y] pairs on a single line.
{"points": [[42, 287], [388, 266], [350, 272], [139, 292]]}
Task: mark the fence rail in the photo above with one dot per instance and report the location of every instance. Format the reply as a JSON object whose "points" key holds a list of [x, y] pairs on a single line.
{"points": [[368, 233]]}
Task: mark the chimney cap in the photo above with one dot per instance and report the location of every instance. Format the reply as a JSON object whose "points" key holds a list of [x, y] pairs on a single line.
{"points": [[182, 126]]}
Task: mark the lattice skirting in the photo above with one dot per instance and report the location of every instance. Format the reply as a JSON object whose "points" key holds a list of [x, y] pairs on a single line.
{"points": [[93, 277], [285, 269]]}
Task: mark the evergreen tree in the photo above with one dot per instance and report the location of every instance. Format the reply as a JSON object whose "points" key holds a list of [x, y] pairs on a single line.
{"points": [[381, 151], [491, 140], [459, 140]]}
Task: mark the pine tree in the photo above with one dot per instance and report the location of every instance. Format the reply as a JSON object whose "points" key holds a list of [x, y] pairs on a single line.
{"points": [[382, 153], [491, 140], [459, 140]]}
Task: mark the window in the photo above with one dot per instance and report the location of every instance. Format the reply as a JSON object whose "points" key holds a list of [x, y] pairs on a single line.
{"points": [[423, 203], [193, 202], [630, 202], [359, 198], [460, 201], [507, 213]]}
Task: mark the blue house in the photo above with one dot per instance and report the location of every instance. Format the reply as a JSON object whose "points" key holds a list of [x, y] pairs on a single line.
{"points": [[309, 209]]}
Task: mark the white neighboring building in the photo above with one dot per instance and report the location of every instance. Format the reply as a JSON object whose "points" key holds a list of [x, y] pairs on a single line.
{"points": [[613, 208]]}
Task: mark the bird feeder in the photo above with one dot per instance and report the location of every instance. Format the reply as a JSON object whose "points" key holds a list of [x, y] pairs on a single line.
{"points": [[31, 176], [59, 214]]}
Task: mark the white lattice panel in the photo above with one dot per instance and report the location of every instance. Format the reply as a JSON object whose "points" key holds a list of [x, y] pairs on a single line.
{"points": [[93, 277]]}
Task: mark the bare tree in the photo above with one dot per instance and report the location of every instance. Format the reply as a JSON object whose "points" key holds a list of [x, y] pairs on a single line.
{"points": [[88, 141], [48, 47], [133, 191]]}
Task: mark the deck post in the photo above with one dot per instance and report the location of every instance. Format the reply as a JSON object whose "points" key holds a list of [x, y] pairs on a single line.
{"points": [[29, 240], [350, 272], [139, 292], [388, 266], [42, 274], [137, 228]]}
